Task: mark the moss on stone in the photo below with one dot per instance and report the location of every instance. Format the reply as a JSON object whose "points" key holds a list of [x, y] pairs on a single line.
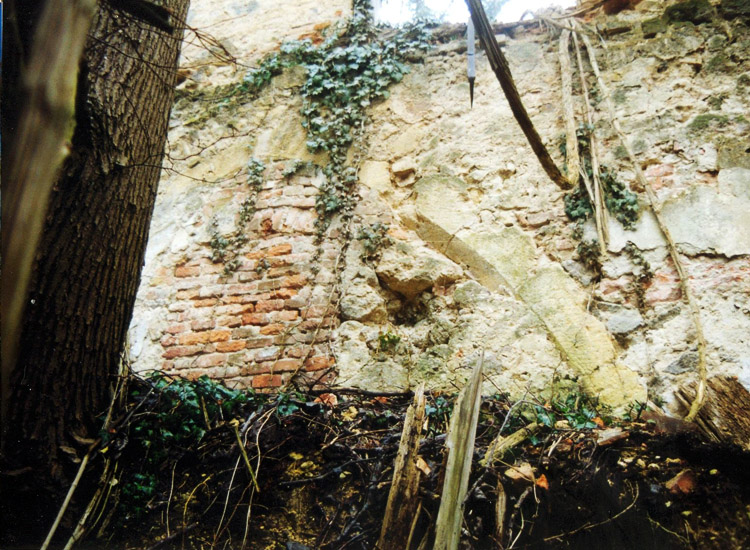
{"points": [[707, 120], [652, 27], [719, 63]]}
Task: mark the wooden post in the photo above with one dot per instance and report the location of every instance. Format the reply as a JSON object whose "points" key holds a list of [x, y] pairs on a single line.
{"points": [[402, 503], [460, 444]]}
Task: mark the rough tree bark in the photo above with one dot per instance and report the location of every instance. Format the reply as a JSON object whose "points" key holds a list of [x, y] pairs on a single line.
{"points": [[89, 258]]}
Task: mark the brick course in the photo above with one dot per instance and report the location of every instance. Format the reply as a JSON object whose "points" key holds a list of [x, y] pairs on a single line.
{"points": [[269, 319]]}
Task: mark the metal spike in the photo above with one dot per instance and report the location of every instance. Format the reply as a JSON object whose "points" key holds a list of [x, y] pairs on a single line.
{"points": [[471, 70]]}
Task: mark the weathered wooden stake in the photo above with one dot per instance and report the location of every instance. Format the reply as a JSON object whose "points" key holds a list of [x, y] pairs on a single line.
{"points": [[460, 444], [403, 500]]}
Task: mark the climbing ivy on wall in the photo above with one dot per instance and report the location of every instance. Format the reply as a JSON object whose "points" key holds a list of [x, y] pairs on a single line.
{"points": [[226, 249], [345, 75], [620, 201], [349, 71]]}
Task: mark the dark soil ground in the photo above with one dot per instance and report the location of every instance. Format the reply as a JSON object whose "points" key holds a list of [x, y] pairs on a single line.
{"points": [[171, 474]]}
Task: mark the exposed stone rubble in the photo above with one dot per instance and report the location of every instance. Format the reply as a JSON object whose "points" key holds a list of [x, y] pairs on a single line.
{"points": [[481, 260]]}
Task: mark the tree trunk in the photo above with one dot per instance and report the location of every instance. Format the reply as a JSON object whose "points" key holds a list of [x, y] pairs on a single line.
{"points": [[89, 258]]}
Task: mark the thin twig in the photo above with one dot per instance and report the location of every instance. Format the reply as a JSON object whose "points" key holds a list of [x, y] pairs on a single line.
{"points": [[219, 529], [516, 510], [65, 503], [235, 425], [81, 526]]}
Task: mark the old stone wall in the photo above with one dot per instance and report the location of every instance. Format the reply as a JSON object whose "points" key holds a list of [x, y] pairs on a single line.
{"points": [[479, 261]]}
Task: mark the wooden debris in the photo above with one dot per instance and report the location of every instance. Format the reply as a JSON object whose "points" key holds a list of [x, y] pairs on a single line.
{"points": [[683, 483], [403, 501], [610, 435], [501, 510], [501, 445], [669, 425], [460, 444], [725, 415], [601, 215]]}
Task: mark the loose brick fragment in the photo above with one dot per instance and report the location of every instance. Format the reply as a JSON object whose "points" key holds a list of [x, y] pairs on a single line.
{"points": [[318, 363], [267, 381], [231, 345], [275, 328], [269, 305], [184, 271], [255, 319], [683, 483], [181, 351], [204, 337]]}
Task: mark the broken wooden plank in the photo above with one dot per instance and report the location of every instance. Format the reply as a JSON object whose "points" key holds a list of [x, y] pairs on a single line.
{"points": [[460, 444], [403, 501]]}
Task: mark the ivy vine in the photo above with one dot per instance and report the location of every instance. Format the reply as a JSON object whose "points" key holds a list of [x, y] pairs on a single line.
{"points": [[225, 248], [346, 74], [620, 201]]}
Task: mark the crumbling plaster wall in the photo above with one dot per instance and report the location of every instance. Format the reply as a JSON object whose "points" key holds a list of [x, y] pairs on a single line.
{"points": [[481, 263]]}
